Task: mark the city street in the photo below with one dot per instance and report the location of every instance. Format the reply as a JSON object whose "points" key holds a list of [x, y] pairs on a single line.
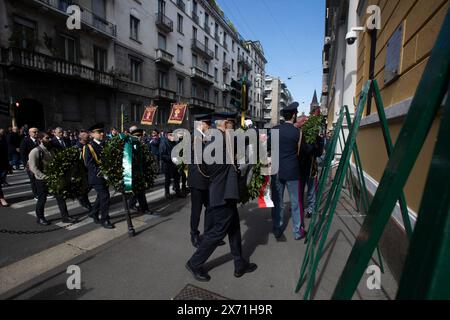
{"points": [[152, 264]]}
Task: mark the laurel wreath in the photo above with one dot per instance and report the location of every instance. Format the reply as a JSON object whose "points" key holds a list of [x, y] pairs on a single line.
{"points": [[144, 166], [66, 175]]}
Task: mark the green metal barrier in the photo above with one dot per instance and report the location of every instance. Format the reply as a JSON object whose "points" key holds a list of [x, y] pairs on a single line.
{"points": [[424, 270]]}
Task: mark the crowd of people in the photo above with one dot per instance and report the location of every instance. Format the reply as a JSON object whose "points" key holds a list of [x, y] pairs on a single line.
{"points": [[214, 187]]}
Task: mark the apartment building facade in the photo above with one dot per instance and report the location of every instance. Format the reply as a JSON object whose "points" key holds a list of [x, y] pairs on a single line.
{"points": [[153, 52], [277, 96], [403, 45]]}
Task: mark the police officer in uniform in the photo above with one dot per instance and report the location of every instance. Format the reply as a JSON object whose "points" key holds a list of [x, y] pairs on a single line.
{"points": [[198, 181], [288, 175], [223, 200], [91, 155]]}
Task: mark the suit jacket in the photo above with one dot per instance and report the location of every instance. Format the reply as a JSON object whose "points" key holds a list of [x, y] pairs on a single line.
{"points": [[223, 182], [95, 176], [57, 145], [196, 176], [25, 148]]}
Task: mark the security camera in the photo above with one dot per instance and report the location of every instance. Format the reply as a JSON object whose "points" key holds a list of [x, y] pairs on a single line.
{"points": [[353, 35]]}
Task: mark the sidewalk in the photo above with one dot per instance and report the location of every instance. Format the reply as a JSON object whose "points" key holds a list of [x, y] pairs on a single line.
{"points": [[152, 265]]}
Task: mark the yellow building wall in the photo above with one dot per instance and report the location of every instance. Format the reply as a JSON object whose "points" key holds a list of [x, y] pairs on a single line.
{"points": [[422, 21]]}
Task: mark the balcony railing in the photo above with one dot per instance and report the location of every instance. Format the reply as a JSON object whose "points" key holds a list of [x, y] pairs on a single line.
{"points": [[207, 28], [247, 65], [41, 62], [87, 17], [164, 93], [202, 49], [164, 57], [181, 5], [202, 75], [163, 22], [201, 103], [226, 67], [226, 87], [195, 17]]}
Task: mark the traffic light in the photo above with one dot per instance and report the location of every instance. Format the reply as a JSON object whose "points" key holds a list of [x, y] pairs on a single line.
{"points": [[236, 94], [240, 94]]}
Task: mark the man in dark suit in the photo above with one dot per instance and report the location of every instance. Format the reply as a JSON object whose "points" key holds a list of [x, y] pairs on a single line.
{"points": [[29, 143], [288, 175], [198, 181], [168, 167], [91, 155], [58, 140], [223, 200]]}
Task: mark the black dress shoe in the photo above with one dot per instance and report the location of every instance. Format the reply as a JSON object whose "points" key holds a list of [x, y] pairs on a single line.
{"points": [[69, 220], [107, 225], [249, 267], [43, 222], [199, 274]]}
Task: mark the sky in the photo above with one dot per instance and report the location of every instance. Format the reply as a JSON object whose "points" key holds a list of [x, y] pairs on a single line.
{"points": [[291, 33]]}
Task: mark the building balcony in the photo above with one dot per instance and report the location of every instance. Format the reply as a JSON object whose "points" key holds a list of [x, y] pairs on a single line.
{"points": [[15, 57], [164, 23], [207, 29], [200, 48], [181, 5], [162, 93], [226, 87], [163, 57], [247, 65], [267, 117], [195, 17], [202, 76], [88, 18], [196, 102], [226, 67]]}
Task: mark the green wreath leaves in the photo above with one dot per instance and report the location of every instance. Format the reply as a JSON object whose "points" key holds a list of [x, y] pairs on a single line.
{"points": [[311, 128], [144, 165], [251, 190], [66, 175]]}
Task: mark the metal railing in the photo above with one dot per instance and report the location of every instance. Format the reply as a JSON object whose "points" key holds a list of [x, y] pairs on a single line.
{"points": [[197, 45], [41, 62], [181, 5], [195, 17], [87, 17], [164, 22], [162, 92], [245, 63], [226, 66]]}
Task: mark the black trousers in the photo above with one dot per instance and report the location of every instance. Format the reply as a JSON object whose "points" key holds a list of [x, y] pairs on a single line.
{"points": [[199, 199], [84, 202], [141, 199], [101, 204], [42, 193], [226, 222], [33, 183], [183, 181], [172, 173]]}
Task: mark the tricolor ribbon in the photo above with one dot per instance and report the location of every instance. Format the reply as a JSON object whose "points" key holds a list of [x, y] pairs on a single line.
{"points": [[127, 161]]}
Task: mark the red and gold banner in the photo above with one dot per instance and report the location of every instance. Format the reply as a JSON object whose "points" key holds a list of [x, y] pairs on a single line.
{"points": [[177, 114], [149, 115]]}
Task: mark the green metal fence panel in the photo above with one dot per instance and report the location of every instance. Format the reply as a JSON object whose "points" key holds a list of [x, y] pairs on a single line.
{"points": [[389, 147], [429, 253], [423, 110]]}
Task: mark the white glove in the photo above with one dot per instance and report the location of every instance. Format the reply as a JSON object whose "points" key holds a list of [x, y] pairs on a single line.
{"points": [[176, 161]]}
